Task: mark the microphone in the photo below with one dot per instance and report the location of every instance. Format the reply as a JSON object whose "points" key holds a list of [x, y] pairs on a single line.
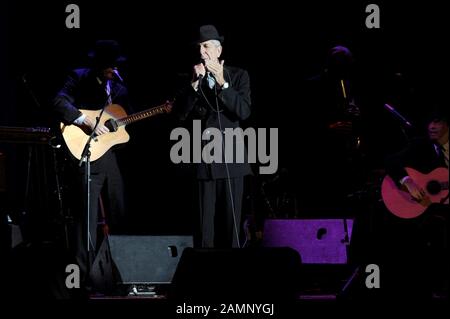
{"points": [[200, 79], [397, 114], [116, 72], [201, 76]]}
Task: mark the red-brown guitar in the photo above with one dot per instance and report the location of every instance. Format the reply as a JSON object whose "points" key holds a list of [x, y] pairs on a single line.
{"points": [[400, 202]]}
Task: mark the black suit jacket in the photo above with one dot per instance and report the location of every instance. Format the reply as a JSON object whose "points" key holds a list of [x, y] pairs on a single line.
{"points": [[83, 91], [420, 155], [234, 104]]}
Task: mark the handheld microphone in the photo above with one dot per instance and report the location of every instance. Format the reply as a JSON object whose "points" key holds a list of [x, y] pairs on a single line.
{"points": [[201, 76]]}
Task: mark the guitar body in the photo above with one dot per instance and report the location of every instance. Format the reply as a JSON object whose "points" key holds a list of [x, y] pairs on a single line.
{"points": [[76, 138], [400, 203]]}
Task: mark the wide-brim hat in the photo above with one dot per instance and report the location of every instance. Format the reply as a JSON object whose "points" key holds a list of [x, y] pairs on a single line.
{"points": [[106, 53], [208, 32]]}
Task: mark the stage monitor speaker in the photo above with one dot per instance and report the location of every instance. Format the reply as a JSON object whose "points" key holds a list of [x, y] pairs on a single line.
{"points": [[125, 260], [246, 274], [319, 241]]}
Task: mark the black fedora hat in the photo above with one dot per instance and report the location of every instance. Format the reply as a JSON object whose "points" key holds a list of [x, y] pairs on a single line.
{"points": [[106, 53], [208, 32], [437, 113]]}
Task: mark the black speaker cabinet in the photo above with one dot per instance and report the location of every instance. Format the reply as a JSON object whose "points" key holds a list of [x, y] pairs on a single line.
{"points": [[247, 274], [126, 260]]}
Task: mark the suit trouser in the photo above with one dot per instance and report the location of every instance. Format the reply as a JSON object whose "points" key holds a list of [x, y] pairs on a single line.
{"points": [[107, 179], [220, 204]]}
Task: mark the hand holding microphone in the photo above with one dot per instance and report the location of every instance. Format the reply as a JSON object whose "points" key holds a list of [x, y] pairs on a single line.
{"points": [[199, 71], [215, 68], [198, 75]]}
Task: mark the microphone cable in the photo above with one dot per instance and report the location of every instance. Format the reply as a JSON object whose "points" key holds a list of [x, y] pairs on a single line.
{"points": [[233, 208]]}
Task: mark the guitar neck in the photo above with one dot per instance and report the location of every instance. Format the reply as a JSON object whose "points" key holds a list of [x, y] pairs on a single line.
{"points": [[141, 115]]}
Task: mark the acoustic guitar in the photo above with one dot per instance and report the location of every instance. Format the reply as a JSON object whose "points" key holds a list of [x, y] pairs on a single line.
{"points": [[115, 118], [400, 202]]}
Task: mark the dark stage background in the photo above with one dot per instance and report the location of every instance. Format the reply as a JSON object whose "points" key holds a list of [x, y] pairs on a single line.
{"points": [[280, 43]]}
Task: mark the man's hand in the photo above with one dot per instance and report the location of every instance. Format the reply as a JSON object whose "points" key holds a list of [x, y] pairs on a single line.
{"points": [[417, 192], [216, 69], [199, 70], [89, 123]]}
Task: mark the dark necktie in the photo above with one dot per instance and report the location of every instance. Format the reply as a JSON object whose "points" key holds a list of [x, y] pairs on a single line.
{"points": [[442, 154], [108, 91]]}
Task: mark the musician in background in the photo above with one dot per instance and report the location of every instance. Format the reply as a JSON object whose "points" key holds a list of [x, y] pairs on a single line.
{"points": [[94, 88], [422, 154], [331, 137], [429, 231]]}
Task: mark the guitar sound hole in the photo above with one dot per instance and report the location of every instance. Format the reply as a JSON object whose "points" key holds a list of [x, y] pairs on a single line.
{"points": [[434, 187]]}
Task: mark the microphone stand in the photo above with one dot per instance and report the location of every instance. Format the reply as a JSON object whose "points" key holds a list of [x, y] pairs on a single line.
{"points": [[354, 112], [401, 118], [86, 157], [344, 291]]}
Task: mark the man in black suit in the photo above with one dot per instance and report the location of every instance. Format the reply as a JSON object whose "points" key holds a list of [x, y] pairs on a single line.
{"points": [[94, 88], [219, 96], [423, 242]]}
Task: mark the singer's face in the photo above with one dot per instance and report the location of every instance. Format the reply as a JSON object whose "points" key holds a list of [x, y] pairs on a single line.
{"points": [[210, 51], [438, 131]]}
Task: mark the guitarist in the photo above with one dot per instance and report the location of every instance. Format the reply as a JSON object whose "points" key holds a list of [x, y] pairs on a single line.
{"points": [[93, 88], [423, 154], [430, 230]]}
